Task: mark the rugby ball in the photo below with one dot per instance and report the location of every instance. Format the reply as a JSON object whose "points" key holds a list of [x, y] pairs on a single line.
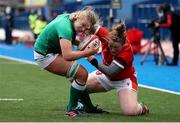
{"points": [[88, 42]]}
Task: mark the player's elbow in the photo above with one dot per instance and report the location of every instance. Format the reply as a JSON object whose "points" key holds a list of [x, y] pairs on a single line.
{"points": [[68, 58], [110, 74]]}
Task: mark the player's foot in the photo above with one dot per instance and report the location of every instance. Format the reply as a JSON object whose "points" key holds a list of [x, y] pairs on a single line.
{"points": [[78, 111], [80, 107], [72, 113], [145, 109], [96, 110]]}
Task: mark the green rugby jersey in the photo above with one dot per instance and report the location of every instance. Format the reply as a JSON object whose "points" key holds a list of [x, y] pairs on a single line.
{"points": [[48, 40]]}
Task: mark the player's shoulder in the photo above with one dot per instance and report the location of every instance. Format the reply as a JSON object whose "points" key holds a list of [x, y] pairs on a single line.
{"points": [[127, 51], [63, 20], [62, 16], [102, 32]]}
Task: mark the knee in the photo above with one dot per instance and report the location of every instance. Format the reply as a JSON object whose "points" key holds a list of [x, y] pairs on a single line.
{"points": [[81, 74], [130, 110]]}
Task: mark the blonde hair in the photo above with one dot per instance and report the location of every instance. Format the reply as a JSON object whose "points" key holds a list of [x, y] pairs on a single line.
{"points": [[88, 13], [118, 33]]}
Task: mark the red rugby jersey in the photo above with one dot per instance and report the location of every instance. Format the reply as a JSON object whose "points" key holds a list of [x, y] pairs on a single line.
{"points": [[125, 55]]}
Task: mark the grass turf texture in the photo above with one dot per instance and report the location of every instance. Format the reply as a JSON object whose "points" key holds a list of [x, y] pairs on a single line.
{"points": [[46, 96]]}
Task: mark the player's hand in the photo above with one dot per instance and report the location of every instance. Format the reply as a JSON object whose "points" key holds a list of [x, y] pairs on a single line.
{"points": [[93, 61], [93, 50], [156, 24], [90, 58]]}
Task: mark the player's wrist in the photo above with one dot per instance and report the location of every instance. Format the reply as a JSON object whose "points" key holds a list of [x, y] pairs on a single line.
{"points": [[94, 62]]}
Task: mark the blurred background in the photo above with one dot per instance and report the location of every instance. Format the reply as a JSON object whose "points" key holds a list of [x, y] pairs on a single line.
{"points": [[135, 13], [18, 33], [19, 17], [21, 21]]}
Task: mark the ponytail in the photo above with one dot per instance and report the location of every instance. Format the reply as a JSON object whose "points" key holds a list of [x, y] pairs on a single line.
{"points": [[118, 33]]}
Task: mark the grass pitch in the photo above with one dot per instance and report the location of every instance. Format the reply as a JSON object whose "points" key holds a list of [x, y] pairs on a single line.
{"points": [[44, 96]]}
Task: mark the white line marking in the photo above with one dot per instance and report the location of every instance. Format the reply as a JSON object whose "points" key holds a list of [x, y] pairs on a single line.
{"points": [[140, 85], [159, 89], [11, 62], [10, 99]]}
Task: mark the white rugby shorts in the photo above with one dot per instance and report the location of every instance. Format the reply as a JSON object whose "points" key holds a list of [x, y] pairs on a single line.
{"points": [[44, 61], [128, 83]]}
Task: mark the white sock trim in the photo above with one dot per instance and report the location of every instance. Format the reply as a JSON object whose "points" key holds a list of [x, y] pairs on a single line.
{"points": [[77, 86], [140, 108]]}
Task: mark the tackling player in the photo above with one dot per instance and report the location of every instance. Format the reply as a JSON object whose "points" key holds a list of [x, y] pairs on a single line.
{"points": [[117, 71]]}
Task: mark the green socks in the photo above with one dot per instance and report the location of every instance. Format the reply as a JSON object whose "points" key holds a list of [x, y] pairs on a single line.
{"points": [[76, 91], [85, 98]]}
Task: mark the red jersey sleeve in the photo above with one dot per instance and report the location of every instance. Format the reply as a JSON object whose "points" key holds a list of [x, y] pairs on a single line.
{"points": [[125, 59], [168, 22]]}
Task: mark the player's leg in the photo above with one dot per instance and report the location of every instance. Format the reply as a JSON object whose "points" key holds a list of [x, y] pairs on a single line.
{"points": [[70, 70], [77, 87], [92, 86], [129, 104], [175, 43], [129, 100]]}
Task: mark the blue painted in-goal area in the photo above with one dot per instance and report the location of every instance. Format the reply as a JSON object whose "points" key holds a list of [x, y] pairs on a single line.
{"points": [[18, 50], [149, 74]]}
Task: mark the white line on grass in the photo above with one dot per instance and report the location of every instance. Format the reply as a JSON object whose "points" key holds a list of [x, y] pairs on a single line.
{"points": [[11, 99], [11, 62], [159, 89], [144, 86]]}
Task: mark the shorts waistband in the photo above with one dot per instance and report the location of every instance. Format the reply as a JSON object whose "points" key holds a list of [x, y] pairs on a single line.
{"points": [[40, 53]]}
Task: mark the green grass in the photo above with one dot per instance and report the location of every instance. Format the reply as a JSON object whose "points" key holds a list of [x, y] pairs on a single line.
{"points": [[46, 96]]}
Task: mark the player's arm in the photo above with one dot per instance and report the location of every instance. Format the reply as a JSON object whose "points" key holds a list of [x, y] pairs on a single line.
{"points": [[111, 70], [167, 24], [70, 55], [79, 38]]}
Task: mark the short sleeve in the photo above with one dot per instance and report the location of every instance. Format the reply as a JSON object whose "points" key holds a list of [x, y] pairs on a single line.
{"points": [[64, 30]]}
